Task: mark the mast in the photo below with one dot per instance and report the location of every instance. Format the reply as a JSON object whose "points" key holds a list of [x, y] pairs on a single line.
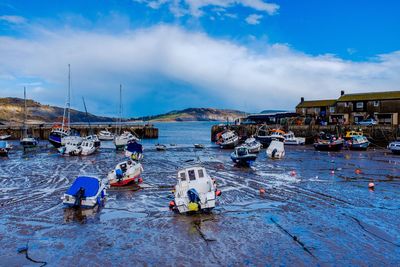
{"points": [[69, 95], [87, 115], [120, 110], [25, 118]]}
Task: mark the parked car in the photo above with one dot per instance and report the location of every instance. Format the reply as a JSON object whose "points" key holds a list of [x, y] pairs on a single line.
{"points": [[367, 122]]}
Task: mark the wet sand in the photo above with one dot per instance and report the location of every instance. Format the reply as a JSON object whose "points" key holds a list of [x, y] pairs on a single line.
{"points": [[307, 218]]}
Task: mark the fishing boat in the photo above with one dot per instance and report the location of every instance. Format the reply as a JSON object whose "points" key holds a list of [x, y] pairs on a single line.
{"points": [[62, 130], [352, 133], [5, 136], [328, 142], [125, 173], [252, 145], [265, 136], [161, 147], [85, 192], [4, 148], [93, 138], [228, 139], [395, 147], [106, 135], [72, 146], [134, 151], [357, 142], [122, 140], [262, 134], [291, 139], [199, 146], [276, 149], [27, 141], [195, 191], [88, 147], [242, 156]]}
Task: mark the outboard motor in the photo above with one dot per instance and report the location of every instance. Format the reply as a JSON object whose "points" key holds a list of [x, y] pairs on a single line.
{"points": [[79, 196], [274, 152]]}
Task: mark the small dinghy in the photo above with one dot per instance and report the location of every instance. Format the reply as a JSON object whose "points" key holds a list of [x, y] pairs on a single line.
{"points": [[195, 191], [28, 142], [85, 192], [125, 173], [72, 146], [327, 142], [395, 147], [252, 145], [291, 139], [199, 146], [357, 142], [161, 147], [4, 148], [106, 135], [228, 139], [242, 156], [88, 147], [5, 136], [276, 150], [134, 151]]}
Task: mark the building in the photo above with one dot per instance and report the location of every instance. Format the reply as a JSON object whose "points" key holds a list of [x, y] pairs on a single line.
{"points": [[316, 108], [382, 106]]}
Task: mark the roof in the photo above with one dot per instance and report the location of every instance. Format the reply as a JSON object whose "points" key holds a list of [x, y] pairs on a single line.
{"points": [[370, 96], [316, 103]]}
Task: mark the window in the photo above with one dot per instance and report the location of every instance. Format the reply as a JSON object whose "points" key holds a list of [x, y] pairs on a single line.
{"points": [[192, 175], [316, 110], [201, 173], [183, 176], [345, 104], [376, 103], [332, 109], [360, 105]]}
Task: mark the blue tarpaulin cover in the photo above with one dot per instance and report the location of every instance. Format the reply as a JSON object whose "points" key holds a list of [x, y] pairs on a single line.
{"points": [[90, 184], [3, 144], [134, 147]]}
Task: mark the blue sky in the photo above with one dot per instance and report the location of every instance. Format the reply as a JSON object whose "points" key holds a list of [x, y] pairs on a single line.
{"points": [[240, 54]]}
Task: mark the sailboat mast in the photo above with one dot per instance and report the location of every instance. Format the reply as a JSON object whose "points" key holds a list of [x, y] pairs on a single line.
{"points": [[69, 95], [25, 130], [120, 109], [87, 116]]}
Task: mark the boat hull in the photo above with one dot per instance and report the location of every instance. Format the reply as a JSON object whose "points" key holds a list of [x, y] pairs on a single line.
{"points": [[328, 147], [55, 139], [363, 146], [3, 152]]}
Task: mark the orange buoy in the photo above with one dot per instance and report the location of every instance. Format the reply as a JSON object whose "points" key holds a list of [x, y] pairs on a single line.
{"points": [[293, 173], [262, 191], [371, 185], [172, 204], [358, 171], [218, 193]]}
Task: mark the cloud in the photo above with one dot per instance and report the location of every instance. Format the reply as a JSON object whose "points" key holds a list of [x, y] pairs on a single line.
{"points": [[254, 19], [13, 19], [150, 62]]}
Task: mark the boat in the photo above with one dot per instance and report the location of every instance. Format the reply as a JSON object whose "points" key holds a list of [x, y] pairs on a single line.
{"points": [[291, 139], [327, 142], [121, 141], [88, 147], [85, 192], [228, 139], [265, 135], [134, 151], [352, 133], [252, 145], [27, 141], [106, 135], [90, 142], [357, 142], [161, 147], [60, 131], [72, 146], [395, 147], [195, 191], [93, 138], [242, 156], [276, 149], [5, 136], [199, 146], [4, 148], [125, 173]]}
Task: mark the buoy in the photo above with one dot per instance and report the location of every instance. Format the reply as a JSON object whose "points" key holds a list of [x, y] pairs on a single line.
{"points": [[172, 204], [293, 173], [262, 191], [140, 180], [332, 172], [371, 185], [358, 171], [218, 193]]}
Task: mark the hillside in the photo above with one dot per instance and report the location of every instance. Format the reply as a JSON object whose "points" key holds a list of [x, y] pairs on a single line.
{"points": [[196, 114], [12, 110]]}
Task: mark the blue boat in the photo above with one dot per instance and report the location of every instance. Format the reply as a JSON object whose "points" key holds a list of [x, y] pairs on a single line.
{"points": [[241, 156], [85, 192], [358, 142]]}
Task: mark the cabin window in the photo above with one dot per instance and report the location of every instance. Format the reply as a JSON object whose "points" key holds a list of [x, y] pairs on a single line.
{"points": [[201, 173], [192, 175], [360, 105], [376, 103], [332, 109], [183, 176]]}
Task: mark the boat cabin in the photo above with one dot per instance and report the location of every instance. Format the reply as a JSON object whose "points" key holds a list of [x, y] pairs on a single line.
{"points": [[193, 177]]}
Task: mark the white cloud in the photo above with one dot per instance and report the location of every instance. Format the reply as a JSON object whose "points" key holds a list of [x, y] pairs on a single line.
{"points": [[254, 19], [218, 69], [13, 19]]}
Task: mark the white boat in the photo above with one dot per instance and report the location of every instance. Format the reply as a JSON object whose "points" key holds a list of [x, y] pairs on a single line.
{"points": [[5, 136], [88, 147], [276, 150], [395, 147], [93, 138], [71, 146], [228, 139], [106, 135], [252, 145], [85, 192], [27, 141], [122, 140], [4, 148], [161, 147], [125, 173], [291, 139], [195, 191], [134, 151], [200, 146]]}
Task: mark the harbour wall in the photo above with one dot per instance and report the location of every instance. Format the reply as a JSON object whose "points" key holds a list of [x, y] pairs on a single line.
{"points": [[42, 131], [379, 135]]}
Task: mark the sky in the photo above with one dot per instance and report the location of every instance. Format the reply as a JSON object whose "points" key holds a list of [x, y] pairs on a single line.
{"points": [[249, 55]]}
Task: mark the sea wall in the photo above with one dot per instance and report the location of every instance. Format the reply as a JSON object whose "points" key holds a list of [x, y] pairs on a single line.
{"points": [[378, 134], [42, 131]]}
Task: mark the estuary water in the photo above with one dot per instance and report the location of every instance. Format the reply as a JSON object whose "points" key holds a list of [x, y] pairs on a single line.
{"points": [[316, 209]]}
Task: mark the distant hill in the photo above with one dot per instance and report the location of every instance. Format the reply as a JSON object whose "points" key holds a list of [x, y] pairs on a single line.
{"points": [[272, 111], [12, 110], [196, 114]]}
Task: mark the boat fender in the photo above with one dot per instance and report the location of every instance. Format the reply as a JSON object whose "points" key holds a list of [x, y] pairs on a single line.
{"points": [[274, 152], [171, 204], [218, 193]]}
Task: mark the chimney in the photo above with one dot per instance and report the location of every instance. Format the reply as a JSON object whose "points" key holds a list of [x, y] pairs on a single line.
{"points": [[301, 99], [342, 92]]}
